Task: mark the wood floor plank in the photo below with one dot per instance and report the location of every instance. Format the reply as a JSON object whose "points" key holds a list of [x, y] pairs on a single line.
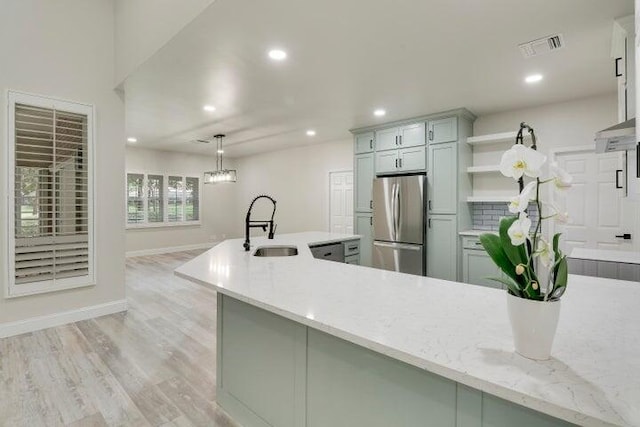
{"points": [[153, 366]]}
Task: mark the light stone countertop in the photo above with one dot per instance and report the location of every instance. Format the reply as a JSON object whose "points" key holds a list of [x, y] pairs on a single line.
{"points": [[476, 233], [626, 257], [455, 330]]}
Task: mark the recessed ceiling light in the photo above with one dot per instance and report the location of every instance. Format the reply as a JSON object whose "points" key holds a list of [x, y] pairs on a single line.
{"points": [[209, 108], [132, 139], [379, 112], [277, 54], [533, 78], [311, 132]]}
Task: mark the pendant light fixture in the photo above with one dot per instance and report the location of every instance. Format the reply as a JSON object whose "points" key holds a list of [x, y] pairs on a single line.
{"points": [[220, 174]]}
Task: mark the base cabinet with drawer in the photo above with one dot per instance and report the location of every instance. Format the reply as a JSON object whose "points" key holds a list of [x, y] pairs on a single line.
{"points": [[347, 251], [477, 266]]}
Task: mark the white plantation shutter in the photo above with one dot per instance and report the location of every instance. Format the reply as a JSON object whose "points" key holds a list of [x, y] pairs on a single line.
{"points": [[51, 170]]}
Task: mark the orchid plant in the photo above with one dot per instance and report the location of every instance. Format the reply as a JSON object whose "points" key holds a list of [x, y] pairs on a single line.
{"points": [[520, 252]]}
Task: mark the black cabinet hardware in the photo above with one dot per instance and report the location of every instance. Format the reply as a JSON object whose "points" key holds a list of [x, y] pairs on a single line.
{"points": [[430, 135], [618, 178], [429, 223], [370, 204], [625, 236], [618, 73]]}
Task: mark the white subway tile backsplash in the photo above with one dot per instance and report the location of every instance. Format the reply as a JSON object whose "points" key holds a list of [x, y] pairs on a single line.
{"points": [[486, 216]]}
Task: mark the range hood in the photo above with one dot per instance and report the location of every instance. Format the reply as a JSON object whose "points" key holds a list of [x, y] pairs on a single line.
{"points": [[621, 137]]}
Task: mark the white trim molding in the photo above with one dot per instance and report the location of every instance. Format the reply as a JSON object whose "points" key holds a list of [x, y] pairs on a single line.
{"points": [[57, 319], [170, 249]]}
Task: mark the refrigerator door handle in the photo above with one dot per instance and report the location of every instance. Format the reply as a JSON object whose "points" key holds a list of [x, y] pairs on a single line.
{"points": [[394, 189], [397, 246], [396, 213]]}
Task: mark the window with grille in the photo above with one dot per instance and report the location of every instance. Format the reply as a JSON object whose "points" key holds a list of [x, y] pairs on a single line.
{"points": [[157, 200], [50, 193]]}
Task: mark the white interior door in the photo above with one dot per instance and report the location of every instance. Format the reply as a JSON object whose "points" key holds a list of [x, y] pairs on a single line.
{"points": [[341, 202], [597, 209]]}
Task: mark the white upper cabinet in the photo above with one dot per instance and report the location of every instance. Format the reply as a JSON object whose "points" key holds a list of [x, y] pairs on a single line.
{"points": [[623, 55], [443, 130], [364, 143], [387, 139]]}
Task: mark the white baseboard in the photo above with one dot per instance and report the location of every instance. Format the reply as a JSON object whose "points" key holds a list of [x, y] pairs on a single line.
{"points": [[168, 250], [43, 322]]}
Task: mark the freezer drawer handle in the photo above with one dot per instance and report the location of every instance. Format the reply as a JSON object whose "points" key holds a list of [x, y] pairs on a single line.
{"points": [[397, 246]]}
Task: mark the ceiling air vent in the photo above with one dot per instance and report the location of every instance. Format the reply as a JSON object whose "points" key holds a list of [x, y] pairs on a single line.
{"points": [[542, 46]]}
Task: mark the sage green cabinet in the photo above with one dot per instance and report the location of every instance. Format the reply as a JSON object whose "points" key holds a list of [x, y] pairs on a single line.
{"points": [[364, 173], [442, 244], [442, 178], [386, 162], [478, 267], [443, 130], [387, 139], [410, 159], [364, 143], [411, 135], [405, 136], [364, 227]]}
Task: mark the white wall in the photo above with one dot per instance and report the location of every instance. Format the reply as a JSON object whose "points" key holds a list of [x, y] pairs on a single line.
{"points": [[65, 49], [298, 178], [557, 125], [219, 217], [144, 26]]}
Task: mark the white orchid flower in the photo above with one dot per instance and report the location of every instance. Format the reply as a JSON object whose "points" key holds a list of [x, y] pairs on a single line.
{"points": [[544, 251], [520, 202], [519, 230], [520, 160], [561, 178]]}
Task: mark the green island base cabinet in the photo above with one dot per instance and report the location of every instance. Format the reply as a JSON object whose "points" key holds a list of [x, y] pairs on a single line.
{"points": [[274, 372]]}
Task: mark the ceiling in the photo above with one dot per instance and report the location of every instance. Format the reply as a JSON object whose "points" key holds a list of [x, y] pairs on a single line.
{"points": [[346, 58]]}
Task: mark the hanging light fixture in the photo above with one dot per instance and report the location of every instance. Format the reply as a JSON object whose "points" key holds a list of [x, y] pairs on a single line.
{"points": [[220, 174]]}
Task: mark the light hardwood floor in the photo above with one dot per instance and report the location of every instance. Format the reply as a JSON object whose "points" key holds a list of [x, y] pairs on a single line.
{"points": [[153, 365]]}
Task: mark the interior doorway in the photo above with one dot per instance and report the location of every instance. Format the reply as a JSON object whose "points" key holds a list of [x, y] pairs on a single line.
{"points": [[341, 202]]}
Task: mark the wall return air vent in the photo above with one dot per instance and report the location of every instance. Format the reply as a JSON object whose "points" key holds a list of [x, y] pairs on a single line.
{"points": [[542, 45]]}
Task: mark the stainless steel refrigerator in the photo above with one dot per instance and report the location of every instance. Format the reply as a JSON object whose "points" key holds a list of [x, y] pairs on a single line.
{"points": [[399, 223]]}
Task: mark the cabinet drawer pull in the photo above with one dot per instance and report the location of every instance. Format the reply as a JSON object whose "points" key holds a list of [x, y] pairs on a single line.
{"points": [[429, 223], [352, 248], [396, 139], [396, 163], [370, 204], [400, 140], [327, 254], [371, 144], [430, 135], [400, 163]]}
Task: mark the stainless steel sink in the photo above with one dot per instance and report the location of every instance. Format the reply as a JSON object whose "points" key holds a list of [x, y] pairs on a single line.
{"points": [[276, 251]]}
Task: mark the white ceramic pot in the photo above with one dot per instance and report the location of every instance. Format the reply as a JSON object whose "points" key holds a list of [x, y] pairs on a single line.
{"points": [[534, 325]]}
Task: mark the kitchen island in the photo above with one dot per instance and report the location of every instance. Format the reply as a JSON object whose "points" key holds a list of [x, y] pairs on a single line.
{"points": [[306, 342]]}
